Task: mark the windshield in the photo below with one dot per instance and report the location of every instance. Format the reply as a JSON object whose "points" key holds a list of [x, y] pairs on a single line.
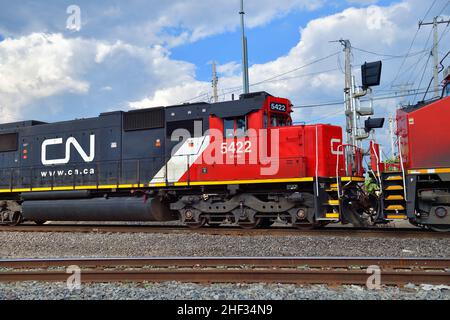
{"points": [[279, 120]]}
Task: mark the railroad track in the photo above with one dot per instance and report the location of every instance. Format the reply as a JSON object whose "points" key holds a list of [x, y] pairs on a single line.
{"points": [[298, 270], [229, 230]]}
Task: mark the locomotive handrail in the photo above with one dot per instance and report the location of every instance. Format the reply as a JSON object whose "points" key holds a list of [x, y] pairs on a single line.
{"points": [[343, 147], [377, 176], [108, 172], [51, 180], [317, 163], [402, 166], [337, 169]]}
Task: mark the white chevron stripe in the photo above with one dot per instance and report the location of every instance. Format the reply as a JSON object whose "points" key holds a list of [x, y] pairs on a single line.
{"points": [[178, 165]]}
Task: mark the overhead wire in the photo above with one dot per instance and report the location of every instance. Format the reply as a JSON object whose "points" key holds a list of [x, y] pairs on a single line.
{"points": [[375, 98], [411, 44]]}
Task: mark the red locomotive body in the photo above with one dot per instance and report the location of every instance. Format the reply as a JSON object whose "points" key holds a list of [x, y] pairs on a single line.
{"points": [[418, 187], [423, 130], [264, 146]]}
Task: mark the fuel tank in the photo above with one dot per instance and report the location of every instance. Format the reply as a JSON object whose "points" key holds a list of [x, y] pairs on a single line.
{"points": [[98, 209]]}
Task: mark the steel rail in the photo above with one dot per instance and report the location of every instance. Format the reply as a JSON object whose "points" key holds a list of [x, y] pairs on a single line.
{"points": [[236, 276], [278, 231], [299, 270], [201, 262]]}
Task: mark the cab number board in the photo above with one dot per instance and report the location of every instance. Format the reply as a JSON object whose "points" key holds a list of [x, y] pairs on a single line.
{"points": [[276, 106]]}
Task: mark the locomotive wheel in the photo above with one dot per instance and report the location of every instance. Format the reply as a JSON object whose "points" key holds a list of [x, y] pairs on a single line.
{"points": [[214, 224], [196, 225], [304, 226], [16, 219], [440, 227], [266, 223], [250, 225]]}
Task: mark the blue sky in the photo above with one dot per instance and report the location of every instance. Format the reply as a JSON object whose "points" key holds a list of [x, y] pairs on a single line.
{"points": [[145, 53], [266, 42]]}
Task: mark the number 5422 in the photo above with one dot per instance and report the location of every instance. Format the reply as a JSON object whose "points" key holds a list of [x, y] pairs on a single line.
{"points": [[236, 147]]}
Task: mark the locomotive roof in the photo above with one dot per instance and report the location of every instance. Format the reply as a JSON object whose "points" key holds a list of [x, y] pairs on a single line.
{"points": [[20, 124], [246, 104], [419, 105]]}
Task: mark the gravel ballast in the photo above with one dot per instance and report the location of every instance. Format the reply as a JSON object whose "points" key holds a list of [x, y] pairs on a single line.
{"points": [[189, 291], [41, 245]]}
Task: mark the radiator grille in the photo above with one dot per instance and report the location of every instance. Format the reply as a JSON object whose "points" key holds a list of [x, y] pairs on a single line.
{"points": [[143, 119]]}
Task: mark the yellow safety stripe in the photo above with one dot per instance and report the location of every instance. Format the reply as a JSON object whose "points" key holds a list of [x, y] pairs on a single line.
{"points": [[178, 184], [394, 188], [436, 170], [394, 197], [332, 215], [288, 180], [400, 216], [360, 179], [206, 183], [395, 207], [394, 178], [63, 188], [161, 184]]}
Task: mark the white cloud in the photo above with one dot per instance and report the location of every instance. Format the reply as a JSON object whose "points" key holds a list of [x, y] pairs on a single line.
{"points": [[362, 26], [141, 22], [223, 14], [384, 29], [229, 69], [363, 2], [34, 67], [45, 65], [142, 73]]}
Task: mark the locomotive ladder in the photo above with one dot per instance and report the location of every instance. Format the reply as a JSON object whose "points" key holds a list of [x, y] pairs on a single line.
{"points": [[393, 200], [332, 204]]}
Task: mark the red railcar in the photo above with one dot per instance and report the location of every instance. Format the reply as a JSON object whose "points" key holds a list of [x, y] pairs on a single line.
{"points": [[422, 131], [417, 188]]}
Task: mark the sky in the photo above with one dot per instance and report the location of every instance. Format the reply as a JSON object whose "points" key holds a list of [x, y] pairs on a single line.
{"points": [[122, 55]]}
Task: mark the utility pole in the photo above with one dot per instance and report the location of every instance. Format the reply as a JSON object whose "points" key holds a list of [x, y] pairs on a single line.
{"points": [[214, 81], [348, 93], [245, 79], [435, 53]]}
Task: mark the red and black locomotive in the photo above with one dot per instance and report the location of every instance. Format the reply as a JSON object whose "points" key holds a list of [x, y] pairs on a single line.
{"points": [[240, 161]]}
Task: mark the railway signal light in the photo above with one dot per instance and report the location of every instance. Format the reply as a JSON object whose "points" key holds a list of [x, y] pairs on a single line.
{"points": [[373, 123], [371, 74]]}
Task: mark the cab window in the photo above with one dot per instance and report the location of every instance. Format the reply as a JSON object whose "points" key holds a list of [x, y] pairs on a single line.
{"points": [[241, 127], [234, 127], [279, 120], [228, 128]]}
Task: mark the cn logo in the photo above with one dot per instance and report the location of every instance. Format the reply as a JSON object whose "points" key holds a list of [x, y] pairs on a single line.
{"points": [[335, 143], [70, 141]]}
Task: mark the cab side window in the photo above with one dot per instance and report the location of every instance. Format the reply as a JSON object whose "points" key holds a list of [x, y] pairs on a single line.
{"points": [[241, 127], [234, 127], [279, 121], [228, 128]]}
